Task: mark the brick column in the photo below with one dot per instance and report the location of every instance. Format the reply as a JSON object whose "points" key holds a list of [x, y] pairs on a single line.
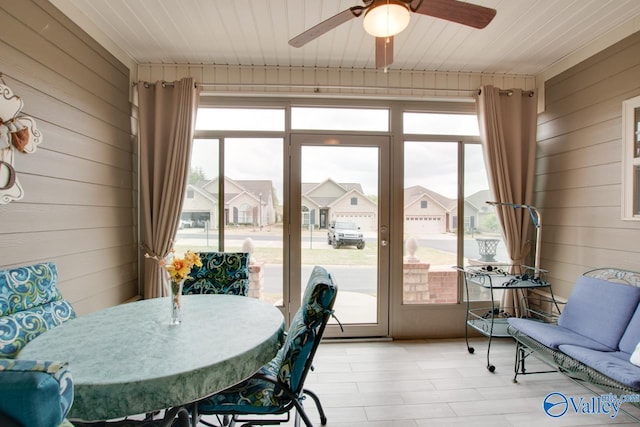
{"points": [[443, 285], [423, 284], [256, 280], [415, 283]]}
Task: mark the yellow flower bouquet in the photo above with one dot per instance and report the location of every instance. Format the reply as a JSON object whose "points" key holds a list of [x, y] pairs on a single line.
{"points": [[178, 270]]}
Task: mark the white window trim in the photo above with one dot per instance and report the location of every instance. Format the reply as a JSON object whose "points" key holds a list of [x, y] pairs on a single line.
{"points": [[629, 161]]}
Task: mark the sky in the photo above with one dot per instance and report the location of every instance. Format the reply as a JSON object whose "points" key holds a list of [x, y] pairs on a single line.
{"points": [[429, 164]]}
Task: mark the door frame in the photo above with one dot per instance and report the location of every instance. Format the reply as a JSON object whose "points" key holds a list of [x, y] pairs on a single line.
{"points": [[296, 283]]}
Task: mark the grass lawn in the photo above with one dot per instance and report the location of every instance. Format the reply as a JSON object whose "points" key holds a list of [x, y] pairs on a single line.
{"points": [[326, 255]]}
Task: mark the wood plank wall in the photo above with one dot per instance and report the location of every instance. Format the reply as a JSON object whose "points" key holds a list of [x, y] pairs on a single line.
{"points": [[79, 208], [578, 173]]}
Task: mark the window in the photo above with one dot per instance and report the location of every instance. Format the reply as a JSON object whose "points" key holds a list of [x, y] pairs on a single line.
{"points": [[237, 171], [432, 175], [469, 223], [440, 124], [306, 216], [430, 170], [353, 119], [239, 119], [631, 159], [479, 223], [244, 214]]}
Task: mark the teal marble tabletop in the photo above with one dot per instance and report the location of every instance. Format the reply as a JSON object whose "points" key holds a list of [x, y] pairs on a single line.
{"points": [[128, 359]]}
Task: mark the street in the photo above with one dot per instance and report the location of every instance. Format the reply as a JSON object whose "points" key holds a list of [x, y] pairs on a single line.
{"points": [[446, 243]]}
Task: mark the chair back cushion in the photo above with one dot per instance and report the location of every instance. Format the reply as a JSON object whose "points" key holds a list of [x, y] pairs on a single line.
{"points": [[221, 273], [631, 336], [30, 304], [35, 393], [292, 362], [306, 329], [600, 309]]}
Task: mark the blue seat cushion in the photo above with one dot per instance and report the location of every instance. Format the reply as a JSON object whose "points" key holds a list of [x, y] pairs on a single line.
{"points": [[600, 310], [37, 394], [552, 335], [613, 364], [255, 395]]}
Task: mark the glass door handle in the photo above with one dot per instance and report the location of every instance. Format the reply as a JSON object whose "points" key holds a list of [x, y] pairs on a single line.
{"points": [[384, 243]]}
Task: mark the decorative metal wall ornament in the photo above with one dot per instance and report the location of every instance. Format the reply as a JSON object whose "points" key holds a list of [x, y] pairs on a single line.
{"points": [[17, 132]]}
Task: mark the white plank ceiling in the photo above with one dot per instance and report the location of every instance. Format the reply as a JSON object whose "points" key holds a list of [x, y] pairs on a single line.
{"points": [[525, 37]]}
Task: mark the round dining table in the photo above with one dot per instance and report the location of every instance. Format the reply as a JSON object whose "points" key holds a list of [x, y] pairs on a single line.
{"points": [[128, 359]]}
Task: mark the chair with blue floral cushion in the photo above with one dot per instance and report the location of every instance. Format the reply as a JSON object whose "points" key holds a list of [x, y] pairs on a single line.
{"points": [[34, 393], [221, 273], [30, 304], [278, 387]]}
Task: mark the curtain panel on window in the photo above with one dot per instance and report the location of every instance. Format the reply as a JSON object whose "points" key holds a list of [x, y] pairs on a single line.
{"points": [[167, 113], [508, 121]]}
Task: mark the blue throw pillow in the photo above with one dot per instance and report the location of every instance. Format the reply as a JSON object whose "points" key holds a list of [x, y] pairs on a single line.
{"points": [[631, 336]]}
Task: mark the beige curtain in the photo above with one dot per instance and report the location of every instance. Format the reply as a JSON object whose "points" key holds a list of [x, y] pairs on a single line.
{"points": [[508, 120], [167, 112]]}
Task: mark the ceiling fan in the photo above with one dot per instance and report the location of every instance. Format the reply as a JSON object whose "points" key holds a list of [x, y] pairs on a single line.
{"points": [[386, 18]]}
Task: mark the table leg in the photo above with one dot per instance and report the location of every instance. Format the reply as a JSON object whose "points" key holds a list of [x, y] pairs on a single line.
{"points": [[179, 414]]}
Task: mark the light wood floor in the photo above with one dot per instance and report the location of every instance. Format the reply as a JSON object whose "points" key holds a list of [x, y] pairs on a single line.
{"points": [[438, 383]]}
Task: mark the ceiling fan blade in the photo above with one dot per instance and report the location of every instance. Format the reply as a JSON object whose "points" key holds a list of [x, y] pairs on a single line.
{"points": [[325, 26], [384, 51], [461, 12]]}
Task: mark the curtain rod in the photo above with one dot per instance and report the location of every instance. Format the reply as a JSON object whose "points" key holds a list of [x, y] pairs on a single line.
{"points": [[509, 92], [317, 88]]}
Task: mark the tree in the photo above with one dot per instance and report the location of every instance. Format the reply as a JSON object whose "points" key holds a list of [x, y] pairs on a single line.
{"points": [[275, 197], [196, 175], [490, 223]]}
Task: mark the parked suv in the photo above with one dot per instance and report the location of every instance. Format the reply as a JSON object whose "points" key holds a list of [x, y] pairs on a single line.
{"points": [[343, 233]]}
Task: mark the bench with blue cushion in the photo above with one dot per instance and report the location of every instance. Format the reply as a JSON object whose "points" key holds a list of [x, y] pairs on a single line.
{"points": [[595, 336]]}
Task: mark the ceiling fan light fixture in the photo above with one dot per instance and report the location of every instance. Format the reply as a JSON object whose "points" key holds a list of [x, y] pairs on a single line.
{"points": [[386, 19]]}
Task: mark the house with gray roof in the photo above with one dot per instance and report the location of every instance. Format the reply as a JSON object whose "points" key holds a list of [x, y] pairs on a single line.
{"points": [[428, 212], [246, 202], [332, 201]]}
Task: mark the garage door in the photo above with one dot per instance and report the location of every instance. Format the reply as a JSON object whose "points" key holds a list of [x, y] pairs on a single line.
{"points": [[424, 224], [365, 221]]}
